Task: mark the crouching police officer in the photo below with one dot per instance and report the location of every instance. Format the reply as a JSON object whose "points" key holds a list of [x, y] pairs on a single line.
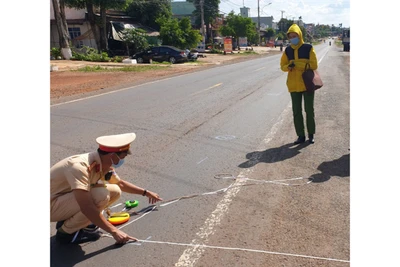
{"points": [[82, 186]]}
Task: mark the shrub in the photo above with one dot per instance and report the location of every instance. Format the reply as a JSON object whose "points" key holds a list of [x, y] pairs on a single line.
{"points": [[55, 52], [90, 54]]}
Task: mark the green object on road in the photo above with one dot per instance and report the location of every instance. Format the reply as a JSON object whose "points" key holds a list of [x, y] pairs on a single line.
{"points": [[131, 204]]}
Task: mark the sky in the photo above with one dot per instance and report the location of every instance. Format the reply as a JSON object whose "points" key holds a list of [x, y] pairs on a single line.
{"points": [[312, 11]]}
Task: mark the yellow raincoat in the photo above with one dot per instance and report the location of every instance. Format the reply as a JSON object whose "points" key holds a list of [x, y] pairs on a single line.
{"points": [[294, 80]]}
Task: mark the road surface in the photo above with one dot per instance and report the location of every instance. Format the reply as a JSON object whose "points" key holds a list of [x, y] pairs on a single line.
{"points": [[291, 205]]}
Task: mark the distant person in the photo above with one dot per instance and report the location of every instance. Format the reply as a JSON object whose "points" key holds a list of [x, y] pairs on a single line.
{"points": [[293, 61], [82, 186]]}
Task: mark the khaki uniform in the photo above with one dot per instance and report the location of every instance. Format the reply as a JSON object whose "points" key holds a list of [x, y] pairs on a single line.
{"points": [[79, 172]]}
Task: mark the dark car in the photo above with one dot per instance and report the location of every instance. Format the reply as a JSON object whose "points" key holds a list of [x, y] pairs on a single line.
{"points": [[161, 53]]}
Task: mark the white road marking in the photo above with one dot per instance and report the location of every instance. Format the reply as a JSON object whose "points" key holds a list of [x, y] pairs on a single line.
{"points": [[202, 160], [209, 88], [323, 56], [193, 254], [225, 137], [239, 249], [260, 69]]}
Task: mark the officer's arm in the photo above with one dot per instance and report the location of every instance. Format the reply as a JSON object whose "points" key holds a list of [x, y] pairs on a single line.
{"points": [[133, 189]]}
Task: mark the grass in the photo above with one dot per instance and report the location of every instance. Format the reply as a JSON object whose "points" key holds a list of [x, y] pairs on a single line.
{"points": [[138, 68], [245, 53]]}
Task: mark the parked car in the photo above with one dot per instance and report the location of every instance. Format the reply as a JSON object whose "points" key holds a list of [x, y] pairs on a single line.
{"points": [[161, 53]]}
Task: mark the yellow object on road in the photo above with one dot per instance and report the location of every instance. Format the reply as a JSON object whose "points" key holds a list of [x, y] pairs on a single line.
{"points": [[118, 218]]}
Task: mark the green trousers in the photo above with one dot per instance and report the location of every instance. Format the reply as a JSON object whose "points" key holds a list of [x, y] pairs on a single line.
{"points": [[297, 99]]}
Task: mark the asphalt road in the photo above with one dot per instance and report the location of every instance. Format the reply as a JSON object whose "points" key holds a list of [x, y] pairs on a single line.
{"points": [[233, 119]]}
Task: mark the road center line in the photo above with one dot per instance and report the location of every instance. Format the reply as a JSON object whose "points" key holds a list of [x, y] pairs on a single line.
{"points": [[193, 254], [209, 88]]}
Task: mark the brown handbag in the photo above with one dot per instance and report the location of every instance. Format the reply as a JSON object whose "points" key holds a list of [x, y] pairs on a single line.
{"points": [[312, 79]]}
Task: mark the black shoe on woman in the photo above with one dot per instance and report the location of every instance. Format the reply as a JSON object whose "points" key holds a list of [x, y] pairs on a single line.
{"points": [[300, 140], [311, 138]]}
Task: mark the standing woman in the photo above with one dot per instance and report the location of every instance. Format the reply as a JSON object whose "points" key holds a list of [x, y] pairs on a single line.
{"points": [[293, 61]]}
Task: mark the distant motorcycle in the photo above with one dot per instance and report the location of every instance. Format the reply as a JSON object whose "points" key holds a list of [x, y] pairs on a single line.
{"points": [[192, 55]]}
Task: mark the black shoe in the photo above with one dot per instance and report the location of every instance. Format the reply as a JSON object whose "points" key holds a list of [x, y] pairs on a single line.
{"points": [[78, 237], [59, 224], [300, 140], [311, 138], [91, 228]]}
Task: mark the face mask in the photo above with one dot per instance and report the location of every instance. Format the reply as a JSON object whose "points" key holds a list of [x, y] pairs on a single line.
{"points": [[294, 41], [120, 162]]}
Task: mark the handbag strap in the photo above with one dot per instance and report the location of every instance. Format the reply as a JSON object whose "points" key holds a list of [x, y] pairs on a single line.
{"points": [[307, 66]]}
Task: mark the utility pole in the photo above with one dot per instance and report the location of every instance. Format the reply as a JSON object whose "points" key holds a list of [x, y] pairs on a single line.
{"points": [[282, 26], [259, 32], [202, 19]]}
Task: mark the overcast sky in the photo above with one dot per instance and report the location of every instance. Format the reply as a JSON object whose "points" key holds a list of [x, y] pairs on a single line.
{"points": [[312, 11]]}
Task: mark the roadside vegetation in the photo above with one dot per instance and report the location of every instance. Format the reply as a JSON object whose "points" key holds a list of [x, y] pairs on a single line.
{"points": [[182, 33], [136, 68]]}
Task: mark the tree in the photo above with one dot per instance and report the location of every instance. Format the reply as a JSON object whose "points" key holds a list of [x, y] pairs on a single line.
{"points": [[269, 33], [238, 26], [136, 39], [284, 25], [178, 33], [146, 12], [211, 11], [103, 5], [62, 27], [93, 21]]}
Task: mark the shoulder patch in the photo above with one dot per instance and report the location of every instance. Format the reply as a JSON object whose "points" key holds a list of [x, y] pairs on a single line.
{"points": [[304, 51], [289, 52]]}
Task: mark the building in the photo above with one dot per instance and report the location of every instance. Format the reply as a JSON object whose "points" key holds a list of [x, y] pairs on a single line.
{"points": [[78, 25], [183, 9], [265, 22], [81, 33]]}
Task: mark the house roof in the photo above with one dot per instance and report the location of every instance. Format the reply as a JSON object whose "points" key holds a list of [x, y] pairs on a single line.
{"points": [[182, 8]]}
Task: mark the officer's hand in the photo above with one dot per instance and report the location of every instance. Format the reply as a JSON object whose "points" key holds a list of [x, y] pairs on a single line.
{"points": [[153, 197], [121, 238]]}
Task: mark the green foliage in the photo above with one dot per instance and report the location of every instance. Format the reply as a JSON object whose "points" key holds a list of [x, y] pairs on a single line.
{"points": [[246, 53], [281, 36], [107, 4], [135, 39], [210, 8], [55, 52], [238, 26], [178, 33], [270, 32], [90, 54], [215, 51], [117, 59], [146, 12], [137, 68]]}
